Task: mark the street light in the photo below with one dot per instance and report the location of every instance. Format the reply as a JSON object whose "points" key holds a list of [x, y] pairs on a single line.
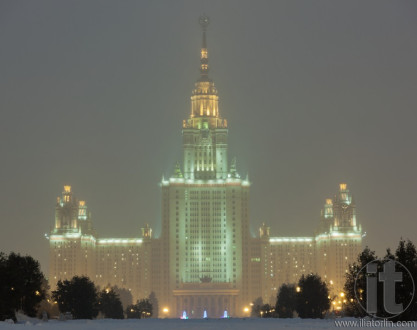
{"points": [[165, 310], [342, 294]]}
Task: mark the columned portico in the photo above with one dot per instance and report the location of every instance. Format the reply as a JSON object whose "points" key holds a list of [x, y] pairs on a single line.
{"points": [[215, 299]]}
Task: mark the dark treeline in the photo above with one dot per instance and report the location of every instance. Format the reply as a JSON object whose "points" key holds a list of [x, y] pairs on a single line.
{"points": [[23, 287], [83, 300]]}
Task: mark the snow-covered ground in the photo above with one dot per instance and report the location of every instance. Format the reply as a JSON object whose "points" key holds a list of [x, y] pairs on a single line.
{"points": [[176, 324]]}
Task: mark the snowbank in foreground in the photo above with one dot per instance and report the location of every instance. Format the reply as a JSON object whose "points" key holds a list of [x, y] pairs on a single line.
{"points": [[176, 324]]}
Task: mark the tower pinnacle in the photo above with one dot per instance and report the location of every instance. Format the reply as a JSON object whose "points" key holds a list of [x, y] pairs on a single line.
{"points": [[204, 99]]}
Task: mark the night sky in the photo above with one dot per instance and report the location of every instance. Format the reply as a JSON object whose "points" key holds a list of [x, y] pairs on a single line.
{"points": [[93, 94]]}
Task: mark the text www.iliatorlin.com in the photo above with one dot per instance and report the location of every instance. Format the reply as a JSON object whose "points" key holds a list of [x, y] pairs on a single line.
{"points": [[362, 323]]}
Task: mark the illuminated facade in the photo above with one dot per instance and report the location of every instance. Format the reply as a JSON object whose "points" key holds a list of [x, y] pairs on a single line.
{"points": [[336, 245], [75, 249], [205, 258]]}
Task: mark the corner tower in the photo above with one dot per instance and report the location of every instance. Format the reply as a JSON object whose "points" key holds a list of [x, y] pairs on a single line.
{"points": [[72, 240], [339, 238]]}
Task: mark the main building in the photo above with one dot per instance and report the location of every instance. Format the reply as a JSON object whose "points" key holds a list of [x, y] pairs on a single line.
{"points": [[205, 258]]}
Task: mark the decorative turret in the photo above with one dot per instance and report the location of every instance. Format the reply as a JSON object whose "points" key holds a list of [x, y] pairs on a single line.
{"points": [[67, 195], [82, 210], [339, 213], [233, 171], [344, 211], [177, 171], [264, 231], [66, 211], [147, 232], [72, 216]]}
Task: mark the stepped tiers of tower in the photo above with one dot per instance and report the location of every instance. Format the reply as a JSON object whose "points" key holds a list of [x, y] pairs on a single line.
{"points": [[197, 123], [205, 258]]}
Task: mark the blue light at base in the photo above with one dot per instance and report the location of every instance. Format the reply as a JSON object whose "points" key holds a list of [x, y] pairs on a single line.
{"points": [[205, 314], [184, 316], [225, 315]]}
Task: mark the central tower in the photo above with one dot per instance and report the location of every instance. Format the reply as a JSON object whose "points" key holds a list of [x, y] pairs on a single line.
{"points": [[205, 132], [203, 256]]}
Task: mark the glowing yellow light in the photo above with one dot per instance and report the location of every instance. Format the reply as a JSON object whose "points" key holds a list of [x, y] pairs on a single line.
{"points": [[37, 293], [246, 309], [82, 203], [67, 189], [342, 186], [298, 289], [329, 201], [165, 310], [342, 294], [331, 282]]}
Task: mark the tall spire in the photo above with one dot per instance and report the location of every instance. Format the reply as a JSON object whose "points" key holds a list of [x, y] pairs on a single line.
{"points": [[204, 98], [204, 22]]}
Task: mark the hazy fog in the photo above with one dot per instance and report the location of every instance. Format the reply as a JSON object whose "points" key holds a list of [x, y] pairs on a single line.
{"points": [[93, 94]]}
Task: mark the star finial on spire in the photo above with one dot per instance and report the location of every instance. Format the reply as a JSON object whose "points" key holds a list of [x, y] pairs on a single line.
{"points": [[204, 21]]}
